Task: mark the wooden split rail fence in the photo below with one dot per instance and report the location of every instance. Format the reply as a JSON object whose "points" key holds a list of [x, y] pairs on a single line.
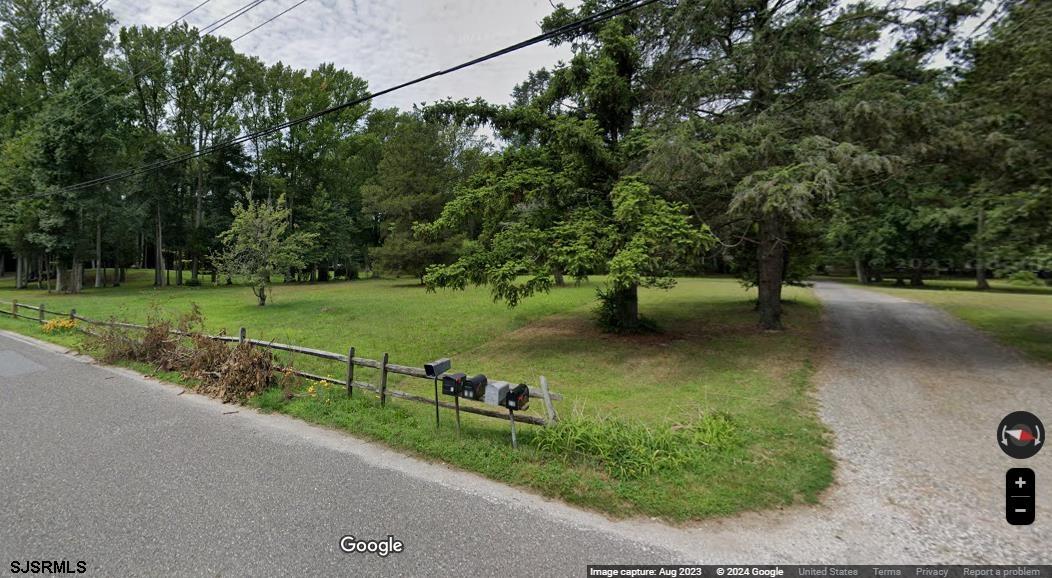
{"points": [[13, 308]]}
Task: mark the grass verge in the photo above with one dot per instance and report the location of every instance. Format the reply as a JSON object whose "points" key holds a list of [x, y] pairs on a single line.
{"points": [[708, 418]]}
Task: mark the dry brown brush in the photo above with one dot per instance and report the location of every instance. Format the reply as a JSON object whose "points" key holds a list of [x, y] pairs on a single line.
{"points": [[230, 373]]}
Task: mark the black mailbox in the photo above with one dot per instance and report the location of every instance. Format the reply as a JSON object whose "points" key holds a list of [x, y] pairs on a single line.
{"points": [[437, 367], [518, 398], [453, 383], [474, 387]]}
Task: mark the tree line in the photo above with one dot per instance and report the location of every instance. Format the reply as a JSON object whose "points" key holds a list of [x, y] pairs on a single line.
{"points": [[764, 138]]}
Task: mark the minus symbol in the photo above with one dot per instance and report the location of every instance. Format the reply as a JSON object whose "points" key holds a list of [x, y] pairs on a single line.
{"points": [[1020, 510]]}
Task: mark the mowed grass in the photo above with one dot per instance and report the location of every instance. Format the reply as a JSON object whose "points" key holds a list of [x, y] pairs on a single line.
{"points": [[709, 360], [1019, 316]]}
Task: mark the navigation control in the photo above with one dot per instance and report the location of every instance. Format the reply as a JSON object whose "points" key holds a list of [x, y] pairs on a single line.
{"points": [[1019, 496], [1020, 434]]}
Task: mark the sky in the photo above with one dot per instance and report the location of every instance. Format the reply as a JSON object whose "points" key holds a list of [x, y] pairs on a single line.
{"points": [[386, 42]]}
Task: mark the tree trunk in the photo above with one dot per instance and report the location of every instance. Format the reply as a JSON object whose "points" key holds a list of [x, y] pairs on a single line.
{"points": [[323, 273], [860, 272], [117, 265], [20, 272], [76, 281], [261, 295], [627, 307], [917, 274], [980, 258], [59, 281], [771, 265], [3, 264], [100, 274], [160, 275], [198, 210], [559, 280], [179, 269]]}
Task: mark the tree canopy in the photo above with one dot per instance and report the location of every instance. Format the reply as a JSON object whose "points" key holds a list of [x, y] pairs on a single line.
{"points": [[768, 139]]}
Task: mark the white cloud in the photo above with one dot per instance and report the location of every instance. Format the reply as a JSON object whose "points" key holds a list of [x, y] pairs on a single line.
{"points": [[384, 41]]}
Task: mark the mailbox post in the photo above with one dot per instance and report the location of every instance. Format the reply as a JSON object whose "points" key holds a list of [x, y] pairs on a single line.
{"points": [[434, 370], [517, 398], [453, 384]]}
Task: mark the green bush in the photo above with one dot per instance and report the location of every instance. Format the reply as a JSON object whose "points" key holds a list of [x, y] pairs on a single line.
{"points": [[608, 318], [629, 449], [1024, 278]]}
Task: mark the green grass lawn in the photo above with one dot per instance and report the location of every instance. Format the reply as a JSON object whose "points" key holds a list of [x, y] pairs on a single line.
{"points": [[710, 360], [1019, 316]]}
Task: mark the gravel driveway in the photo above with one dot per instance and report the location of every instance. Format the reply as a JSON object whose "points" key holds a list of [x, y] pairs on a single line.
{"points": [[913, 397]]}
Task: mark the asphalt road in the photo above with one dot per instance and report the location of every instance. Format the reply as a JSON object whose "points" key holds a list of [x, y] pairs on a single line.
{"points": [[102, 466]]}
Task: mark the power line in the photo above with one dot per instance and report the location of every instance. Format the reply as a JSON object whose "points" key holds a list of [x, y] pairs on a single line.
{"points": [[269, 20], [209, 29], [596, 18], [97, 7]]}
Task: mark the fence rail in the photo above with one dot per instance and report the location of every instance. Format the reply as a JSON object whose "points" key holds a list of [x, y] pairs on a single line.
{"points": [[13, 307]]}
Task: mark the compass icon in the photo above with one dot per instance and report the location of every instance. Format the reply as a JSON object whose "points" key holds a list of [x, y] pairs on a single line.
{"points": [[1020, 434]]}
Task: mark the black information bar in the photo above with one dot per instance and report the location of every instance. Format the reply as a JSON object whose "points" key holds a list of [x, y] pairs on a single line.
{"points": [[824, 571]]}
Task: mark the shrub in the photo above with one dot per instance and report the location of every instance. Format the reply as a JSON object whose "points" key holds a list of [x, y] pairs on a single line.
{"points": [[608, 316], [1024, 278], [62, 325]]}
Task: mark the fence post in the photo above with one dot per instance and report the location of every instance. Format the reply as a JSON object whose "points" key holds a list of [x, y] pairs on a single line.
{"points": [[14, 307], [41, 313], [241, 336], [72, 314], [548, 407], [383, 382], [350, 371]]}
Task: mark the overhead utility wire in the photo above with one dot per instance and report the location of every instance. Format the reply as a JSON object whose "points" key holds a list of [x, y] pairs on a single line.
{"points": [[96, 7], [269, 20], [596, 18], [207, 30], [214, 26]]}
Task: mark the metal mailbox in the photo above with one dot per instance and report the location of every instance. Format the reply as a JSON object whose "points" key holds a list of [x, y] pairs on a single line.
{"points": [[496, 392], [437, 367], [518, 398], [474, 387], [453, 383]]}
